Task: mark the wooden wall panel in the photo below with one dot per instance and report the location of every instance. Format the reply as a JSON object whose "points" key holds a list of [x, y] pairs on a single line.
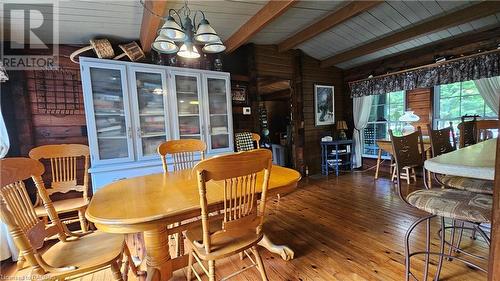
{"points": [[313, 74], [269, 62], [35, 126], [59, 128], [303, 72], [420, 101]]}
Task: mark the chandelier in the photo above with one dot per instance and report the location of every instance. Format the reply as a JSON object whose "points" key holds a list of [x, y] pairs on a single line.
{"points": [[184, 34]]}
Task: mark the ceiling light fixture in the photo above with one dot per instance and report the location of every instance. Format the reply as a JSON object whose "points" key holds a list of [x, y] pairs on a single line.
{"points": [[185, 32]]}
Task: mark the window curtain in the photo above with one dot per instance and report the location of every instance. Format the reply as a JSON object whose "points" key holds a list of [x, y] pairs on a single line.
{"points": [[489, 88], [361, 107], [7, 247], [473, 67]]}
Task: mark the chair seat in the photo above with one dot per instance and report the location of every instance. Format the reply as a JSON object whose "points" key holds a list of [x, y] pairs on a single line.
{"points": [[453, 203], [63, 206], [224, 245], [474, 185], [92, 251]]}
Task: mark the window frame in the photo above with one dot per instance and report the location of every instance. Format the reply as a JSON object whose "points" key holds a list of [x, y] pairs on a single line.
{"points": [[375, 156], [437, 107]]}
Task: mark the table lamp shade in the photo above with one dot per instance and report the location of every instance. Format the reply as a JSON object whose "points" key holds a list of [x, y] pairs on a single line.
{"points": [[409, 116], [342, 125]]}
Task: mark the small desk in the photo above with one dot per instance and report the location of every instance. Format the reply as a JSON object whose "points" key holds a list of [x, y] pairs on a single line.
{"points": [[345, 157], [149, 203], [386, 145], [475, 161]]}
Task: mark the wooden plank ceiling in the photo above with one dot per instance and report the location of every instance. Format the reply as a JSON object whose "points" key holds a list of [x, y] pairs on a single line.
{"points": [[338, 27]]}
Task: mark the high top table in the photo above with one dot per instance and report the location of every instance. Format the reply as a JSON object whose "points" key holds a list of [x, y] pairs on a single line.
{"points": [[475, 161], [149, 203]]}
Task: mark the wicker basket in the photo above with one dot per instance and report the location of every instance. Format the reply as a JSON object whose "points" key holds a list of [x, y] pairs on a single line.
{"points": [[132, 51], [101, 47]]}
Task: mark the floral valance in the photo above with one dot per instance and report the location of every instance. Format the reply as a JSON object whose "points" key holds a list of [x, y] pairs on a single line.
{"points": [[457, 70]]}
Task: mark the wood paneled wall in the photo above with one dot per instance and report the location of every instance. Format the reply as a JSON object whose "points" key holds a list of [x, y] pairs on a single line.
{"points": [[420, 101], [313, 74], [304, 71], [29, 125], [270, 63]]}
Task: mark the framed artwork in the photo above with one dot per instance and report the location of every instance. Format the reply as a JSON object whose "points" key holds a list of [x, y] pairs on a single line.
{"points": [[239, 94], [324, 109]]}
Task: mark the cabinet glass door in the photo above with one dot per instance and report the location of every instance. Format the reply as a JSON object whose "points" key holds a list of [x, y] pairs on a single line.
{"points": [[219, 127], [110, 113], [151, 120], [188, 106]]}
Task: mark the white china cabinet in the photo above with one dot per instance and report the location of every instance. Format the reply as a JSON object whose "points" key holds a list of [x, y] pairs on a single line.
{"points": [[132, 107]]}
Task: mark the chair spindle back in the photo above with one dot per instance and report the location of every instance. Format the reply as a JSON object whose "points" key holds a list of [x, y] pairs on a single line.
{"points": [[17, 212], [183, 153], [63, 164], [240, 175]]}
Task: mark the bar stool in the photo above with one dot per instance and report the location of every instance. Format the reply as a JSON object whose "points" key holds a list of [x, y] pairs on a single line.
{"points": [[461, 205]]}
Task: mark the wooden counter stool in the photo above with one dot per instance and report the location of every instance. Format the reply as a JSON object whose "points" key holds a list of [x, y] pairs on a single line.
{"points": [[459, 205], [63, 160], [240, 228], [185, 154], [71, 257]]}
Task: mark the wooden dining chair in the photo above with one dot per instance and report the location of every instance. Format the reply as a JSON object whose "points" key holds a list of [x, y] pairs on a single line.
{"points": [[71, 256], [238, 179], [185, 153], [453, 204], [64, 160], [256, 139], [245, 141]]}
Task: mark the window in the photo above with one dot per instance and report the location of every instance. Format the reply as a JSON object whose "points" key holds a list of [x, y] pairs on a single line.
{"points": [[384, 115], [451, 101]]}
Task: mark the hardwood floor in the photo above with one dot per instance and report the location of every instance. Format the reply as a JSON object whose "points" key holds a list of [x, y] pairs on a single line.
{"points": [[346, 228]]}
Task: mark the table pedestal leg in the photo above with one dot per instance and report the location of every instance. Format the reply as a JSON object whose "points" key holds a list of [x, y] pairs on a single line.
{"points": [[285, 252], [157, 254]]}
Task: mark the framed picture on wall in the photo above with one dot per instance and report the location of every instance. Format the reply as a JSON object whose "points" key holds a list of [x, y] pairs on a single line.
{"points": [[239, 94], [324, 109]]}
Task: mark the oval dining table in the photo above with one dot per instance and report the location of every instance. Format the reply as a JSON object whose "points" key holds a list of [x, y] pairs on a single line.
{"points": [[149, 203]]}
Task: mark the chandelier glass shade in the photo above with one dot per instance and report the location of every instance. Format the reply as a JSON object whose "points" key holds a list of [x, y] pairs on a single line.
{"points": [[215, 47], [164, 45], [172, 30], [185, 32], [189, 51]]}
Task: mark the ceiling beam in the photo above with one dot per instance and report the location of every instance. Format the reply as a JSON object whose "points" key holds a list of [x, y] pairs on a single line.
{"points": [[272, 10], [335, 18], [467, 14], [151, 23]]}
